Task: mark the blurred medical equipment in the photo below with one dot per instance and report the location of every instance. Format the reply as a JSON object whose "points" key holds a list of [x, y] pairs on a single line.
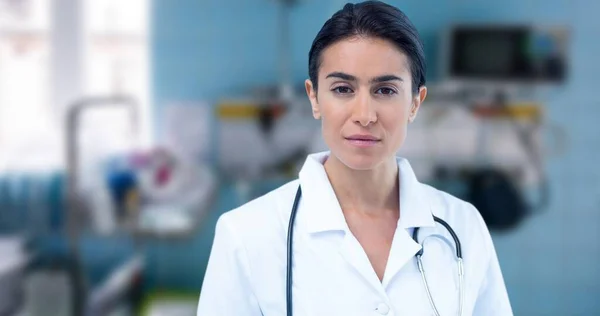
{"points": [[493, 191], [489, 154], [262, 139], [110, 294], [146, 192], [269, 128], [418, 255], [174, 194], [138, 193], [488, 151], [505, 53], [491, 139], [78, 207], [266, 132]]}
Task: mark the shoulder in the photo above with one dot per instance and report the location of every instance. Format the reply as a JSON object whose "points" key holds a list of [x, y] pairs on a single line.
{"points": [[446, 205], [262, 219], [459, 214], [264, 208], [471, 230]]}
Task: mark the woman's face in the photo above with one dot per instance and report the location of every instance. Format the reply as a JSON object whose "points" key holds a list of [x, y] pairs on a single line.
{"points": [[364, 100]]}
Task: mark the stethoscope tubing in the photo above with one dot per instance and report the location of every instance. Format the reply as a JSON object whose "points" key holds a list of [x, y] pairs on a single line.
{"points": [[418, 255], [290, 242]]}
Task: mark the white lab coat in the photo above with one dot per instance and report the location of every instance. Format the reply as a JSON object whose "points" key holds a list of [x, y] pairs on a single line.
{"points": [[246, 273]]}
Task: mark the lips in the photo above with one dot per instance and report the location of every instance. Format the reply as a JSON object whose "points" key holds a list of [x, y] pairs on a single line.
{"points": [[363, 138], [363, 141]]}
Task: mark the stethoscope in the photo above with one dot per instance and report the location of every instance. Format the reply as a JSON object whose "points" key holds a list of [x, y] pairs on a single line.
{"points": [[419, 254]]}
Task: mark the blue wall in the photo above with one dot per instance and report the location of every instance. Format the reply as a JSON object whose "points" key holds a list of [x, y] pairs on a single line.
{"points": [[551, 263], [208, 49]]}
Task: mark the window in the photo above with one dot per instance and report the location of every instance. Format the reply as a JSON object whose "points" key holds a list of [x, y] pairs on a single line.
{"points": [[27, 125], [46, 64]]}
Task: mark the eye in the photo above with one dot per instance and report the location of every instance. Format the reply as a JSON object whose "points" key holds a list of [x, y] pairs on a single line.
{"points": [[342, 90], [385, 91]]}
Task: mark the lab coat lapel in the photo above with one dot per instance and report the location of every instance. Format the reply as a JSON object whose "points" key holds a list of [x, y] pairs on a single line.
{"points": [[403, 250], [415, 211], [324, 214], [321, 211], [353, 253], [415, 204]]}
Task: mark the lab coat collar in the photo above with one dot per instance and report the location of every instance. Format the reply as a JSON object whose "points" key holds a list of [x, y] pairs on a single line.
{"points": [[323, 211], [415, 207]]}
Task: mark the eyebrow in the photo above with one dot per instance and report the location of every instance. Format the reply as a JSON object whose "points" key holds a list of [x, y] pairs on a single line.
{"points": [[345, 76], [385, 78], [341, 75]]}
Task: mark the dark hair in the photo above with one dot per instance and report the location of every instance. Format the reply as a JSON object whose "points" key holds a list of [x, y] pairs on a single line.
{"points": [[372, 19]]}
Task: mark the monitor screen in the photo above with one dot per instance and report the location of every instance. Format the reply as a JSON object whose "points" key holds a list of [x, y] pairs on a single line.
{"points": [[509, 53]]}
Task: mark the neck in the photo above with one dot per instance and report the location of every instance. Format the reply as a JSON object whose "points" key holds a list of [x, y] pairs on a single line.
{"points": [[366, 191]]}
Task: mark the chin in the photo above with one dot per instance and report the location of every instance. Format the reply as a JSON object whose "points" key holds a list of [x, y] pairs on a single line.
{"points": [[361, 161]]}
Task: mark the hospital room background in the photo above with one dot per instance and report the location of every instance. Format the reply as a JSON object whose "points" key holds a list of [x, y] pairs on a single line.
{"points": [[128, 127]]}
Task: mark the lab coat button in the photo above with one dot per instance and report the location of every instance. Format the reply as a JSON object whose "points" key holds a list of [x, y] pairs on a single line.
{"points": [[383, 309]]}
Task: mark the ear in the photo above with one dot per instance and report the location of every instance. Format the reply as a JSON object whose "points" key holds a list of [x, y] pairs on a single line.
{"points": [[312, 96], [416, 104]]}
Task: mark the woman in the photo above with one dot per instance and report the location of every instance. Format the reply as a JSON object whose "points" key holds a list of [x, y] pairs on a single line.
{"points": [[353, 249]]}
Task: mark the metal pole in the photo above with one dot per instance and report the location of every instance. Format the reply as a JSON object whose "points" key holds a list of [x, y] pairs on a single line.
{"points": [[74, 204]]}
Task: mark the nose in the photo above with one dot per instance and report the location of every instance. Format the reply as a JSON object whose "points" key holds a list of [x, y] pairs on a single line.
{"points": [[363, 111]]}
